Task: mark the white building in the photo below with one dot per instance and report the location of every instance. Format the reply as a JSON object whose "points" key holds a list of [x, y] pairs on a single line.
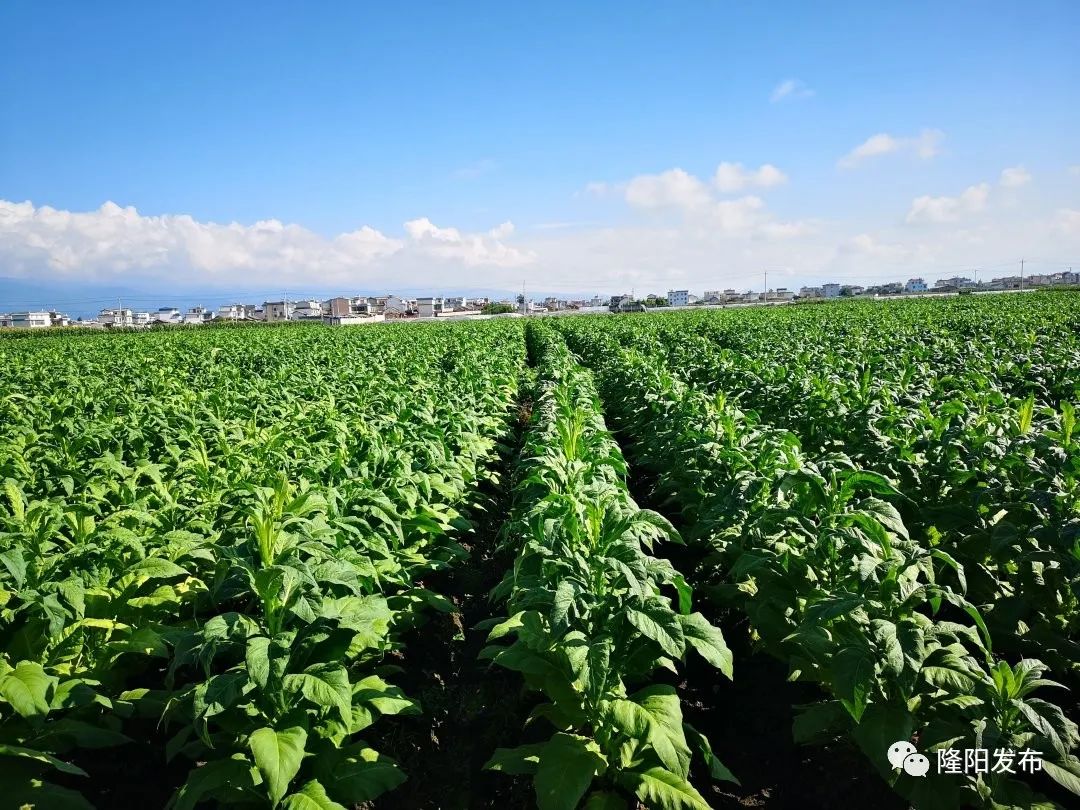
{"points": [[197, 316], [141, 319], [429, 307], [811, 292], [170, 315], [307, 309], [915, 285], [29, 320], [678, 298], [830, 290], [232, 312], [116, 318]]}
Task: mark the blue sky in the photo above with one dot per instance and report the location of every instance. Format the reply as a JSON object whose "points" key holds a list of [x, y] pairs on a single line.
{"points": [[460, 117]]}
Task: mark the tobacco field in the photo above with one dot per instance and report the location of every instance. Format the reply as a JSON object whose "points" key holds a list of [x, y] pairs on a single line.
{"points": [[705, 558]]}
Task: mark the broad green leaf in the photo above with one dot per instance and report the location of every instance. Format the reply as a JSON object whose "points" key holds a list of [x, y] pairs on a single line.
{"points": [[660, 788], [661, 624], [657, 710], [326, 685], [26, 688], [853, 678], [521, 760], [888, 645], [312, 796], [257, 660], [278, 755], [212, 779], [357, 774], [708, 641], [566, 769], [1067, 775]]}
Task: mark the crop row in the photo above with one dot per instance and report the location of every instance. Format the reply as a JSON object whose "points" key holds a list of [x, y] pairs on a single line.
{"points": [[593, 616], [812, 550]]}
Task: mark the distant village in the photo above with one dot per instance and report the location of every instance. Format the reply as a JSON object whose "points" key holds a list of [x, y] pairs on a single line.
{"points": [[368, 309]]}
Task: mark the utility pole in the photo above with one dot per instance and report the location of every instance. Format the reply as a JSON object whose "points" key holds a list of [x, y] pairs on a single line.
{"points": [[1021, 275], [766, 286]]}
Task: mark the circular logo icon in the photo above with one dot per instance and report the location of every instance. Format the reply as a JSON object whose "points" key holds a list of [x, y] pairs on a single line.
{"points": [[899, 751], [916, 765]]}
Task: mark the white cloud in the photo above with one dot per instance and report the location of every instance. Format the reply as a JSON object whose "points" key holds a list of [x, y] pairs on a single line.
{"points": [[925, 145], [865, 244], [1067, 221], [678, 190], [113, 242], [790, 89], [949, 209], [469, 249], [734, 177], [674, 188], [1015, 177], [786, 230], [1074, 171]]}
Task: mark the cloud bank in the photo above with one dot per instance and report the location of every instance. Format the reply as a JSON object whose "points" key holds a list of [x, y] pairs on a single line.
{"points": [[114, 242]]}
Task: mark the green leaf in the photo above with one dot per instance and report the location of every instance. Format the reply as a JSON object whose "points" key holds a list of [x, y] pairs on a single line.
{"points": [[662, 789], [278, 755], [325, 685], [1025, 413], [40, 756], [685, 593], [717, 769], [563, 601], [567, 767], [888, 645], [661, 624], [150, 568], [26, 688], [653, 716], [604, 800], [1068, 776], [357, 774], [708, 641], [885, 514], [853, 678], [521, 760], [312, 796], [212, 778], [257, 660]]}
